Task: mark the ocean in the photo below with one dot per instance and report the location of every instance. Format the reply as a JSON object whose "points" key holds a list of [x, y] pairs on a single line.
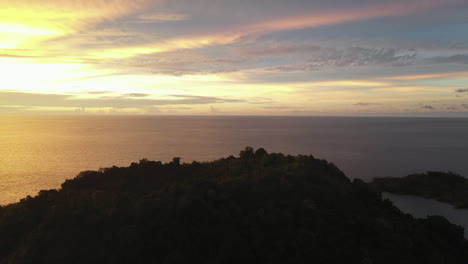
{"points": [[40, 152], [420, 207]]}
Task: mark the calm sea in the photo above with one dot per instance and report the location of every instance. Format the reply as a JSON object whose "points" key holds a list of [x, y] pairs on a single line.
{"points": [[40, 152], [421, 208]]}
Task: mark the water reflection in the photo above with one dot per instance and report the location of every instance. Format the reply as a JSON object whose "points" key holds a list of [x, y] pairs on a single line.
{"points": [[421, 207]]}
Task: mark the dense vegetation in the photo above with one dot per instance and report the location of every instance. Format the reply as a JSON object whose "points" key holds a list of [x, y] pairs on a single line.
{"points": [[258, 208], [442, 186]]}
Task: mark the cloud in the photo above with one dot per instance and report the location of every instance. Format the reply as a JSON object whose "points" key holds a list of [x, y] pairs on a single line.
{"points": [[13, 109], [80, 110], [276, 50], [365, 104], [325, 56], [59, 30], [424, 76], [17, 56], [166, 110], [321, 58], [462, 90], [321, 18], [162, 17], [152, 111], [312, 19], [109, 32], [260, 48], [182, 63], [279, 107], [428, 107], [294, 68], [207, 98], [26, 20], [61, 100], [360, 56], [137, 95], [97, 92], [459, 58], [214, 110], [260, 100]]}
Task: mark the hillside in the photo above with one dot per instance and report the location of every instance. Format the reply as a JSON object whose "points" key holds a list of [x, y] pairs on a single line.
{"points": [[256, 208]]}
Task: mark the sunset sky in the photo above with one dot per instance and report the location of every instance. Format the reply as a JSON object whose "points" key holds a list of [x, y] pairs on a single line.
{"points": [[242, 57]]}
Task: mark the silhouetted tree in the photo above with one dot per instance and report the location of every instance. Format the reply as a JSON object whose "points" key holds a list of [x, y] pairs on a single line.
{"points": [[176, 161], [247, 154], [260, 153]]}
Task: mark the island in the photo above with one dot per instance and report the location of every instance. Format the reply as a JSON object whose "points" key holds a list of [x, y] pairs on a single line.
{"points": [[258, 207], [445, 187]]}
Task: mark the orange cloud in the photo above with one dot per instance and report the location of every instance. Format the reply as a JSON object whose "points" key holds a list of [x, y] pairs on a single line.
{"points": [[438, 75], [193, 42], [28, 21], [232, 35], [316, 19], [161, 17]]}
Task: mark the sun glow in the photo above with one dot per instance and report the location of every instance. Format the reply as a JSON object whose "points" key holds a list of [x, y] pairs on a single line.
{"points": [[29, 75], [119, 51]]}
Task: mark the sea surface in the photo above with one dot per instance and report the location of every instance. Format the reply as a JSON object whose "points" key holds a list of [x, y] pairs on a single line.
{"points": [[421, 208], [40, 152]]}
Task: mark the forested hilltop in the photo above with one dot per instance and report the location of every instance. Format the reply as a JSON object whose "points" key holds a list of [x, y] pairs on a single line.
{"points": [[256, 208], [445, 187]]}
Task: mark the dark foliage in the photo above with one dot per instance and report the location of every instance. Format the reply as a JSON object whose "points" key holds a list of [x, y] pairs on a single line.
{"points": [[259, 208], [443, 186]]}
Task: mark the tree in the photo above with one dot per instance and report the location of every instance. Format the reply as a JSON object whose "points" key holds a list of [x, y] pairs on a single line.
{"points": [[176, 161], [247, 154], [260, 153]]}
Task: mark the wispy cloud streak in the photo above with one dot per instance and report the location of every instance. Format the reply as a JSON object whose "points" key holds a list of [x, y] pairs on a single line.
{"points": [[313, 19]]}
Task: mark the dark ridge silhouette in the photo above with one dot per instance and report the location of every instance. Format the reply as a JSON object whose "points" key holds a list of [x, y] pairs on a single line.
{"points": [[258, 208], [445, 187]]}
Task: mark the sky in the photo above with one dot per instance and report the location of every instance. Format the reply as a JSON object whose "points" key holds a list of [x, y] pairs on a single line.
{"points": [[243, 57]]}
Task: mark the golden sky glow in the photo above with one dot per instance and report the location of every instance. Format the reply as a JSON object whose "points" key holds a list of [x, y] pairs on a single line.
{"points": [[220, 57]]}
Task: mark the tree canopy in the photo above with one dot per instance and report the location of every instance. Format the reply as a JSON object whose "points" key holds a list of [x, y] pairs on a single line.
{"points": [[271, 209]]}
